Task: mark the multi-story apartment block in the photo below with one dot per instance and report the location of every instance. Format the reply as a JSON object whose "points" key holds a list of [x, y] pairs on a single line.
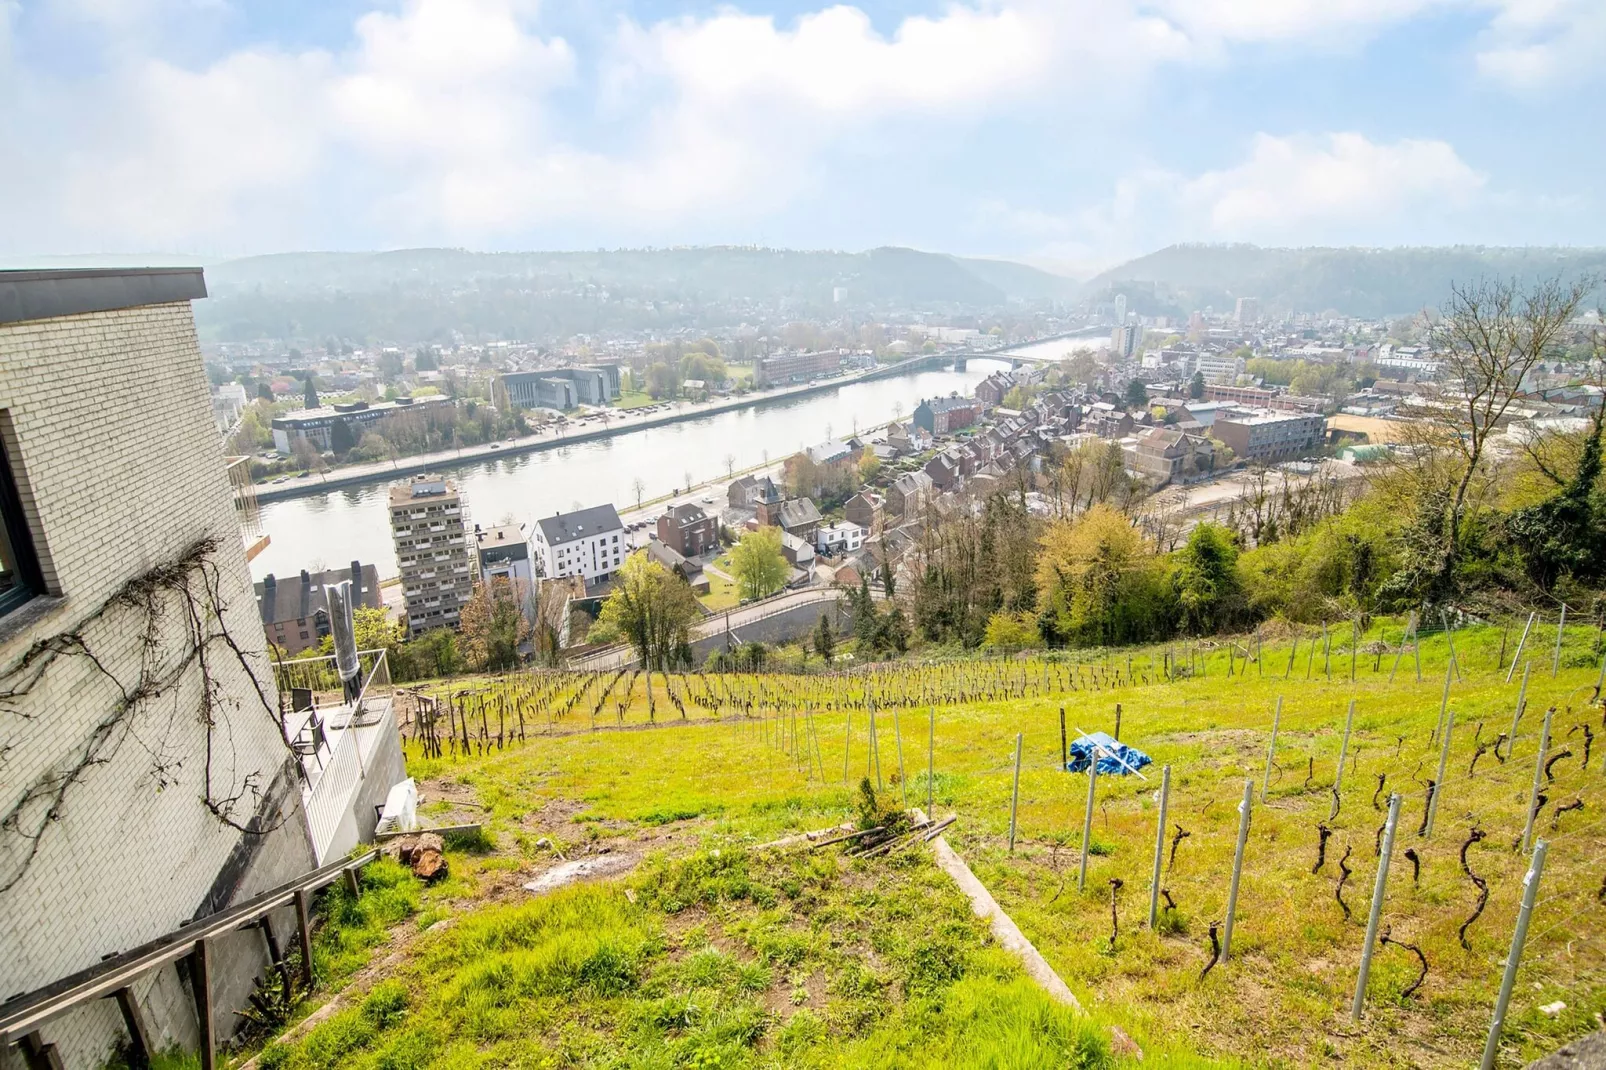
{"points": [[789, 367], [589, 544], [437, 570], [1259, 435], [120, 531]]}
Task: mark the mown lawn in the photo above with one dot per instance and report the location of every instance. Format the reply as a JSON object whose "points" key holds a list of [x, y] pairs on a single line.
{"points": [[722, 593]]}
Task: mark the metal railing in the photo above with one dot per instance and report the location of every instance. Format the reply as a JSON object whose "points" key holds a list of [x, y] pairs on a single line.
{"points": [[335, 760], [21, 1017]]}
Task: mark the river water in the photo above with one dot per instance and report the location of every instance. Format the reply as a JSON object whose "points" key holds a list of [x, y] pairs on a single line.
{"points": [[330, 530]]}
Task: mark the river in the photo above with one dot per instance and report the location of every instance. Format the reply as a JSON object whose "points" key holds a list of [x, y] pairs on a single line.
{"points": [[330, 530]]}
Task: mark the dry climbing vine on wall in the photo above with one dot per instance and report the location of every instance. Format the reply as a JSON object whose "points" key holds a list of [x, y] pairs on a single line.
{"points": [[183, 595]]}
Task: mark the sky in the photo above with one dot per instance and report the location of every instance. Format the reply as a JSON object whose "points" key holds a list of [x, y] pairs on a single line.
{"points": [[1068, 133]]}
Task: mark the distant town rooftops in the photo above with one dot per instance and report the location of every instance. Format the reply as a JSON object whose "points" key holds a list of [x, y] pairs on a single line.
{"points": [[568, 527]]}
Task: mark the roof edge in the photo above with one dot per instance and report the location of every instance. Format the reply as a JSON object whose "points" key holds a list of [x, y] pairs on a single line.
{"points": [[49, 294]]}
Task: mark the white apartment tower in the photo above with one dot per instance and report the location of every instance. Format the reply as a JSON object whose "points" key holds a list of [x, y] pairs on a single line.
{"points": [[432, 548]]}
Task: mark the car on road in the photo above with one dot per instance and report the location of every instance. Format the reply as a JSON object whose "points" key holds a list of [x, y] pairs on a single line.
{"points": [[708, 499]]}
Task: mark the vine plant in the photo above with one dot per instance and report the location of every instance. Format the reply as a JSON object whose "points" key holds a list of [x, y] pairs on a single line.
{"points": [[178, 611]]}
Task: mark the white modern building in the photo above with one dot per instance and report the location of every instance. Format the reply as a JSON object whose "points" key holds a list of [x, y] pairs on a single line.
{"points": [[504, 553], [843, 538], [590, 544]]}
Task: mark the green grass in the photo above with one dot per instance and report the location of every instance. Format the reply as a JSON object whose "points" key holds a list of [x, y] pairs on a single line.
{"points": [[634, 400], [722, 593], [1284, 995], [720, 959]]}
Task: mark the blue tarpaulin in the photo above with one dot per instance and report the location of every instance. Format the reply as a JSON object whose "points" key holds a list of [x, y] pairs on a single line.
{"points": [[1114, 757]]}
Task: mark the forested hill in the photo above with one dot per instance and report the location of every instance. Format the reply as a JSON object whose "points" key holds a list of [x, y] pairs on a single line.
{"points": [[1354, 282], [421, 293]]}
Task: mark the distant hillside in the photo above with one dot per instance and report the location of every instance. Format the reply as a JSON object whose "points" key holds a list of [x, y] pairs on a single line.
{"points": [[1355, 282], [416, 294]]}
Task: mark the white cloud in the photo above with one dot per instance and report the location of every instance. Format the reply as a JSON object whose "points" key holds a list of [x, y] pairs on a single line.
{"points": [[1229, 21], [1338, 188], [441, 121], [1305, 189], [1539, 44]]}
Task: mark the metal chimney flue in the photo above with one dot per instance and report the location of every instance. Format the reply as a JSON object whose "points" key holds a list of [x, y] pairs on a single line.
{"points": [[340, 627]]}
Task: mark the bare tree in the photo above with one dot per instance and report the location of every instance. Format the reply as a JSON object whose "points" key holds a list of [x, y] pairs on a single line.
{"points": [[730, 465], [640, 487], [1489, 336]]}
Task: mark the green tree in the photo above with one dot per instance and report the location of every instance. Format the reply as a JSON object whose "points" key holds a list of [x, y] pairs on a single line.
{"points": [[825, 639], [1009, 632], [340, 440], [1137, 395], [310, 397], [653, 610], [1196, 386], [760, 567], [425, 360], [1206, 579]]}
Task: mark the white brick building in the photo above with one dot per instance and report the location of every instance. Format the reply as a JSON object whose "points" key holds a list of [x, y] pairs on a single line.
{"points": [[112, 469]]}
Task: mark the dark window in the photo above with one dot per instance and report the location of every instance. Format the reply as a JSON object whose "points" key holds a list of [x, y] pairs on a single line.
{"points": [[20, 576]]}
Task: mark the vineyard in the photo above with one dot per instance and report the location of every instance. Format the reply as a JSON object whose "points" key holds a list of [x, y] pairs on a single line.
{"points": [[1314, 732]]}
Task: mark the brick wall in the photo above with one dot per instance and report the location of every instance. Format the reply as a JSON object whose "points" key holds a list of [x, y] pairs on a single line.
{"points": [[107, 415]]}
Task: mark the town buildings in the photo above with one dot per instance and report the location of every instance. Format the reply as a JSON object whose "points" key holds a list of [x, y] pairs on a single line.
{"points": [[688, 530], [833, 540], [944, 416], [991, 390], [504, 554], [908, 494], [589, 544], [295, 610], [340, 427], [1259, 435], [1164, 454], [562, 388], [795, 516], [119, 830], [795, 367], [1126, 340], [429, 526]]}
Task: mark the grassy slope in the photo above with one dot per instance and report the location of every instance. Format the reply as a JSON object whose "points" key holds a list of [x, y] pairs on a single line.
{"points": [[722, 959], [1284, 996]]}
